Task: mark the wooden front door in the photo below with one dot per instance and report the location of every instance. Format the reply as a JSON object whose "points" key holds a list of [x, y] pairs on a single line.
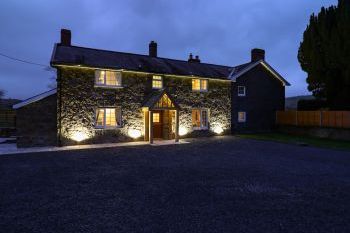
{"points": [[157, 124]]}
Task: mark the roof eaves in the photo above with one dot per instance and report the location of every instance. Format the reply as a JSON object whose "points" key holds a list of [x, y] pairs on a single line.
{"points": [[34, 98], [234, 77]]}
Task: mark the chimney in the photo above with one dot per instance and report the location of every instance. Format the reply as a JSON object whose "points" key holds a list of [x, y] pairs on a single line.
{"points": [[153, 49], [191, 59], [258, 54], [66, 37]]}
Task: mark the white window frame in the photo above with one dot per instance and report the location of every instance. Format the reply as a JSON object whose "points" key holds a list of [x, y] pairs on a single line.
{"points": [[200, 85], [201, 110], [244, 119], [244, 91], [118, 75], [161, 80], [118, 112]]}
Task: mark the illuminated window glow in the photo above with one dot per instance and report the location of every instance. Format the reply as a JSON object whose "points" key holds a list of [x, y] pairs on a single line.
{"points": [[108, 78], [157, 82], [200, 119], [156, 117], [108, 118], [165, 102], [199, 84], [241, 116]]}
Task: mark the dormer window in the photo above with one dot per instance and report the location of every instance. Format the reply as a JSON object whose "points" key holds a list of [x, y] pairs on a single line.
{"points": [[157, 82], [199, 84], [107, 78]]}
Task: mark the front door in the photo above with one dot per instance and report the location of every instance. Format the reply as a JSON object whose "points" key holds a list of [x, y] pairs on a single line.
{"points": [[157, 124]]}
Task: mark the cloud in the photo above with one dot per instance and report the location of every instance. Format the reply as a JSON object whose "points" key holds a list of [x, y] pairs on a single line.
{"points": [[220, 32]]}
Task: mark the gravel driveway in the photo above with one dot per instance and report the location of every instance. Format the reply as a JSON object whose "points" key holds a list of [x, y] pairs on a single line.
{"points": [[210, 185]]}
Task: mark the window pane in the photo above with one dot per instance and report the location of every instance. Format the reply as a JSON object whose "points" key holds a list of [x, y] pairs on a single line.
{"points": [[118, 79], [196, 84], [110, 117], [241, 116], [99, 117], [100, 76], [204, 84], [156, 118], [111, 78], [157, 82], [241, 90], [196, 118], [204, 118]]}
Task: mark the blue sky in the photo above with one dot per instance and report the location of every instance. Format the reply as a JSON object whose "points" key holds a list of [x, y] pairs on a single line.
{"points": [[220, 32]]}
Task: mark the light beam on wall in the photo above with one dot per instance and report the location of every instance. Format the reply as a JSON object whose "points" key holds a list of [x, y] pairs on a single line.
{"points": [[134, 133]]}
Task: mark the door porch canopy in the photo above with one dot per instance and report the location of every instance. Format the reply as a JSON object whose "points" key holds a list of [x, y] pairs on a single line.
{"points": [[159, 100]]}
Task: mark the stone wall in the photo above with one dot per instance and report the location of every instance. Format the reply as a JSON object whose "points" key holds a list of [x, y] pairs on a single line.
{"points": [[36, 123], [265, 95], [80, 98]]}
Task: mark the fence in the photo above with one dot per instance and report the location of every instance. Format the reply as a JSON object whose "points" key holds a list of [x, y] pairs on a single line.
{"points": [[331, 119], [7, 118]]}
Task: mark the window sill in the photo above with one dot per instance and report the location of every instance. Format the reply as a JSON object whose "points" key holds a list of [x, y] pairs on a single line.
{"points": [[108, 128], [200, 91], [108, 87], [200, 128], [241, 95]]}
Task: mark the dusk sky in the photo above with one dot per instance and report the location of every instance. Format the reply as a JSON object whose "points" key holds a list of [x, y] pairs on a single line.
{"points": [[220, 32]]}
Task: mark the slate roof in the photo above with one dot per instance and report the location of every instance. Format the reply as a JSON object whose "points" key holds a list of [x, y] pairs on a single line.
{"points": [[74, 55]]}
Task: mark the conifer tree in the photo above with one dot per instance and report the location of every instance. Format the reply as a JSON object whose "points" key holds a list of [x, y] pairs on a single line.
{"points": [[324, 54]]}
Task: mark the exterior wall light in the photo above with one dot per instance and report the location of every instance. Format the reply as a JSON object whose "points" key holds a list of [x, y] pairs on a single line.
{"points": [[183, 131], [134, 133], [79, 136], [218, 129]]}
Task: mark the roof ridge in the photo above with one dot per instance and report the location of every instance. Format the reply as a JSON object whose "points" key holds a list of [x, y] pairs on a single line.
{"points": [[142, 55]]}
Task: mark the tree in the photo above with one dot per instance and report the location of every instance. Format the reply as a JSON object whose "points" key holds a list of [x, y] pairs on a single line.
{"points": [[2, 94], [324, 54]]}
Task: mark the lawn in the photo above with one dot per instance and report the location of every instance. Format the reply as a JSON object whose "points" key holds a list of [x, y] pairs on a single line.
{"points": [[300, 140], [221, 184]]}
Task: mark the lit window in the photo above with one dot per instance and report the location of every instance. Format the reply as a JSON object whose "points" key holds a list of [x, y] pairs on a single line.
{"points": [[199, 84], [108, 78], [241, 90], [108, 118], [156, 117], [157, 82], [200, 118], [241, 116]]}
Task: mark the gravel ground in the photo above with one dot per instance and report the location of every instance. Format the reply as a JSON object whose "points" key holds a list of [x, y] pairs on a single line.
{"points": [[210, 185]]}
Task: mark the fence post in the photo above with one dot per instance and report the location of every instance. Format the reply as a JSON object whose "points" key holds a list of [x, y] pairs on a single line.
{"points": [[321, 118]]}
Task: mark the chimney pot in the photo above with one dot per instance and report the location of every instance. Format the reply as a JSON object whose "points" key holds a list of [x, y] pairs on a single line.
{"points": [[152, 49], [66, 37], [258, 54]]}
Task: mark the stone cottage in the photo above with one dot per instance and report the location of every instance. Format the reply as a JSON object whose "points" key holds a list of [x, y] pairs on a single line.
{"points": [[107, 96]]}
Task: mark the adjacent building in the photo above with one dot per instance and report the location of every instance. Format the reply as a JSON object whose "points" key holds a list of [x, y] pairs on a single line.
{"points": [[107, 96]]}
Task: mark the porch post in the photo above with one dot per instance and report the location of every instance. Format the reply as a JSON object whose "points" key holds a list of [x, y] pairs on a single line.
{"points": [[177, 125], [150, 137]]}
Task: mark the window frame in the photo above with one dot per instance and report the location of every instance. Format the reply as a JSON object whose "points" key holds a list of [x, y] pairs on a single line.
{"points": [[118, 75], [118, 115], [201, 110], [200, 85], [244, 91], [161, 81], [244, 119]]}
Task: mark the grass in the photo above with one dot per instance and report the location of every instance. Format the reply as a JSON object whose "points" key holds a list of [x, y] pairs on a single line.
{"points": [[300, 140]]}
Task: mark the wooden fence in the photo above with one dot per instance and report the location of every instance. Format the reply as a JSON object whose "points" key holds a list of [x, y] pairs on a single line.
{"points": [[7, 118], [331, 119]]}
